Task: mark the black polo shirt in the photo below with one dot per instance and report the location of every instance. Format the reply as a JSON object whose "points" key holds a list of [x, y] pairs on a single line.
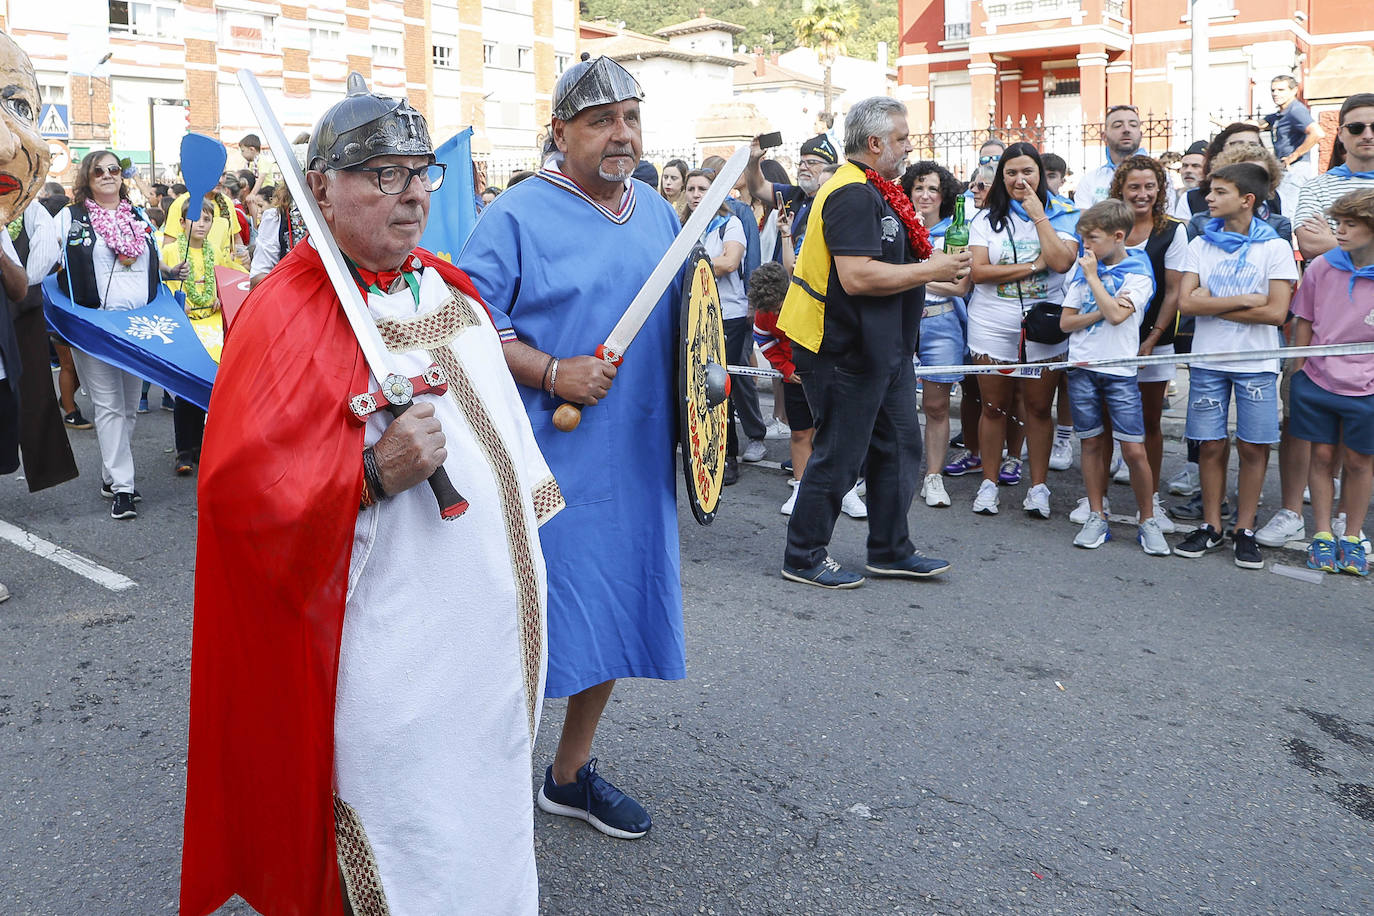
{"points": [[868, 333]]}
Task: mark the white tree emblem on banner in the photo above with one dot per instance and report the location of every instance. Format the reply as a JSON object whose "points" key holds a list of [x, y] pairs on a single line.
{"points": [[147, 328]]}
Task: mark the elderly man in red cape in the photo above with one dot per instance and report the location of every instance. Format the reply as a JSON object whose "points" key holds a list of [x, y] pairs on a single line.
{"points": [[365, 678]]}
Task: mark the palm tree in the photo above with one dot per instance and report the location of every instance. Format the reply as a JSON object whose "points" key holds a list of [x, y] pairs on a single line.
{"points": [[824, 26]]}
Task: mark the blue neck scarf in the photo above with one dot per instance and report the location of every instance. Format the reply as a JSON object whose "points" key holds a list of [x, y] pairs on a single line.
{"points": [[716, 222], [1113, 275], [1231, 242], [1340, 259], [1343, 171], [1063, 216], [939, 229]]}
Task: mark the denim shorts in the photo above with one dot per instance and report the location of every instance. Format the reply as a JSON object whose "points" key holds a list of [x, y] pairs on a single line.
{"points": [[1257, 405], [942, 342], [1321, 416], [1088, 391]]}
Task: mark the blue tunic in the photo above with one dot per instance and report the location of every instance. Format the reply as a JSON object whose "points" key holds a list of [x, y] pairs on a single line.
{"points": [[558, 271]]}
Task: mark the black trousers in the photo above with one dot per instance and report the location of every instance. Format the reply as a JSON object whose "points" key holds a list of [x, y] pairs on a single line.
{"points": [[744, 397], [860, 416], [188, 428]]}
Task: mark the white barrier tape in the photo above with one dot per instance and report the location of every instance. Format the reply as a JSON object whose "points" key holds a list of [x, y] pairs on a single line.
{"points": [[1033, 370]]}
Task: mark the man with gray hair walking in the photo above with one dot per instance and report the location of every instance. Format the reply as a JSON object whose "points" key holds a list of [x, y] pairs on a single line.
{"points": [[852, 315]]}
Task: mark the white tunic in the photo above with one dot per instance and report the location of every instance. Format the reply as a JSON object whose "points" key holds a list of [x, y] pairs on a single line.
{"points": [[441, 671]]}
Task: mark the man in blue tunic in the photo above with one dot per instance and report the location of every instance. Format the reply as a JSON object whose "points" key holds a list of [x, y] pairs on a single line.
{"points": [[558, 258]]}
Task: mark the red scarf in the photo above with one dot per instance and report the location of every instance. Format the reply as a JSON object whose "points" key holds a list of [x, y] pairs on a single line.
{"points": [[383, 280], [916, 235]]}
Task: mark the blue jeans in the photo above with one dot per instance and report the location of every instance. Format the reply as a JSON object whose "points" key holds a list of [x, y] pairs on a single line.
{"points": [[1089, 391], [1209, 403]]}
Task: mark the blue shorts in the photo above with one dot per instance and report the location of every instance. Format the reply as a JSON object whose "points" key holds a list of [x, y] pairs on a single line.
{"points": [[1088, 390], [1318, 415], [1209, 403], [942, 341]]}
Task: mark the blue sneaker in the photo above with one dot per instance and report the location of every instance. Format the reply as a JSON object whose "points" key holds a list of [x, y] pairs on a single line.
{"points": [[596, 801], [1321, 553], [1350, 557], [143, 404]]}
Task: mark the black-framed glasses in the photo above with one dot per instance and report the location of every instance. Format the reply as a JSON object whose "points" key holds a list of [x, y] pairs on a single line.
{"points": [[1357, 127], [395, 179]]}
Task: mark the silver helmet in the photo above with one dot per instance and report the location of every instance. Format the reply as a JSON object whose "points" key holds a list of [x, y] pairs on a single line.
{"points": [[592, 82], [365, 125]]}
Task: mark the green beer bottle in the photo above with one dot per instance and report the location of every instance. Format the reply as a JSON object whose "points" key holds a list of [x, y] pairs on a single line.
{"points": [[956, 237]]}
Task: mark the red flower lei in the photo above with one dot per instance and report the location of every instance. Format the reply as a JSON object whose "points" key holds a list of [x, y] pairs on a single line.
{"points": [[916, 235]]}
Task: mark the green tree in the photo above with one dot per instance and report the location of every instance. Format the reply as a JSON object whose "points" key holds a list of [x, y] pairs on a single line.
{"points": [[824, 26]]}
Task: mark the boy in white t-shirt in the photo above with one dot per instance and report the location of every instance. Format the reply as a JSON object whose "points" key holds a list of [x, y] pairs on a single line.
{"points": [[1238, 281], [1107, 294]]}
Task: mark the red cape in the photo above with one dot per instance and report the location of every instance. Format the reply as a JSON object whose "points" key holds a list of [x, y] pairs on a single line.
{"points": [[280, 479]]}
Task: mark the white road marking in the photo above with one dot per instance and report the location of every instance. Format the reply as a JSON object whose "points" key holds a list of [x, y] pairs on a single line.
{"points": [[78, 564]]}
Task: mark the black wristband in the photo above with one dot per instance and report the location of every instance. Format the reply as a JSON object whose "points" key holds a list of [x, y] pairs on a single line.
{"points": [[372, 475]]}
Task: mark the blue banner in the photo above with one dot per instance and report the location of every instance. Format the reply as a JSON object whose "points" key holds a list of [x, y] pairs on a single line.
{"points": [[452, 208], [156, 342]]}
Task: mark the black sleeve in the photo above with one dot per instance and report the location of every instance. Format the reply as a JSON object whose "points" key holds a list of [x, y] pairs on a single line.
{"points": [[852, 216]]}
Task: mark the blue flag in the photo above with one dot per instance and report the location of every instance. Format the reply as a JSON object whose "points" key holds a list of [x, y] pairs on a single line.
{"points": [[155, 342], [452, 208]]}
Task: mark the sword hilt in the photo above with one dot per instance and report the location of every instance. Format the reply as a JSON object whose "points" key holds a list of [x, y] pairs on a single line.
{"points": [[451, 502], [569, 415]]}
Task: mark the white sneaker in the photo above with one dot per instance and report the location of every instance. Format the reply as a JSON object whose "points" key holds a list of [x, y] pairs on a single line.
{"points": [[1117, 464], [1122, 474], [1338, 526], [4, 592], [777, 430], [1186, 482], [985, 503], [1166, 524], [1285, 526], [853, 506], [791, 498], [1061, 454], [861, 487], [754, 451], [1081, 512], [933, 492], [1151, 538], [1037, 501]]}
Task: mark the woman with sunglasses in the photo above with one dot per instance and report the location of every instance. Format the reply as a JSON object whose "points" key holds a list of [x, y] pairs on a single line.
{"points": [[1023, 245], [109, 263]]}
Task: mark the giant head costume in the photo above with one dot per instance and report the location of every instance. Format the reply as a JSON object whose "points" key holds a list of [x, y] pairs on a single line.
{"points": [[23, 151]]}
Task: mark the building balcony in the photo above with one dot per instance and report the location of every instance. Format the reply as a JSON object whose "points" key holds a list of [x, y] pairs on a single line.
{"points": [[957, 31]]}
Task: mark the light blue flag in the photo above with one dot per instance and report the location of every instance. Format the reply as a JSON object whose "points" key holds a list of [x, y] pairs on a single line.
{"points": [[156, 342], [452, 208]]}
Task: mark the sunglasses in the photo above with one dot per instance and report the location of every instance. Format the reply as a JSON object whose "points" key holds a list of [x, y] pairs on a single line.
{"points": [[988, 160], [1357, 127], [110, 170], [978, 186]]}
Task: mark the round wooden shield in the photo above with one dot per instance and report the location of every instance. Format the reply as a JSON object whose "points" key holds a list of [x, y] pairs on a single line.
{"points": [[702, 426]]}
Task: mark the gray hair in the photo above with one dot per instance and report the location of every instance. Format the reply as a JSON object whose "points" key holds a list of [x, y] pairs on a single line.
{"points": [[871, 117]]}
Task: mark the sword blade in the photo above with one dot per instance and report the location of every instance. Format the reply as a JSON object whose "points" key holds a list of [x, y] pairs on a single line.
{"points": [[354, 308], [623, 334]]}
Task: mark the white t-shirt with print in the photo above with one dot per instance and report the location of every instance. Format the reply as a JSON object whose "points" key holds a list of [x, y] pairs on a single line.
{"points": [[1224, 274], [1102, 339], [997, 305], [734, 302]]}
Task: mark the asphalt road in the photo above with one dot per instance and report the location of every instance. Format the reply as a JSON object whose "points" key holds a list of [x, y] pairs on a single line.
{"points": [[1046, 730]]}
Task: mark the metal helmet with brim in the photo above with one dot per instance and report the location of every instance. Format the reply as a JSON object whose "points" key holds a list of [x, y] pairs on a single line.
{"points": [[592, 82], [365, 125]]}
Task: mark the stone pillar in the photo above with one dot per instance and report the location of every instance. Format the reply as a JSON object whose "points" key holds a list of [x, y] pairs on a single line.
{"points": [[358, 37], [201, 34], [470, 62], [293, 35], [983, 89], [1092, 77], [418, 56], [1119, 88]]}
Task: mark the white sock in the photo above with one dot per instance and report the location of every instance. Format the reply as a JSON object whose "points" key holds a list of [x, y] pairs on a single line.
{"points": [[1063, 433]]}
